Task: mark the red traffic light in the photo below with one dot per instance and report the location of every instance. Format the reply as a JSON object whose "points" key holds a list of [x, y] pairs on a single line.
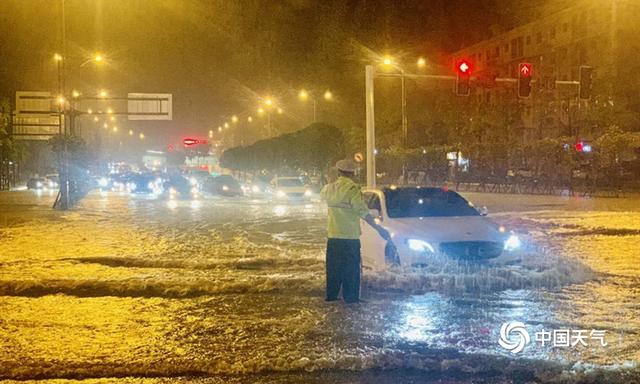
{"points": [[463, 67], [525, 69]]}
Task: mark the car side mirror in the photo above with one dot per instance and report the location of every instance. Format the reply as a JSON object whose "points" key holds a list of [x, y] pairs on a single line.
{"points": [[375, 213], [483, 211]]}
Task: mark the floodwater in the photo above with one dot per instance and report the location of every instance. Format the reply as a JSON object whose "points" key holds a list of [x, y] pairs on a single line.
{"points": [[231, 290]]}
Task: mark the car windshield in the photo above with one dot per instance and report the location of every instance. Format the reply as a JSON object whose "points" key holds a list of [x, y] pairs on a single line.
{"points": [[290, 183], [426, 202]]}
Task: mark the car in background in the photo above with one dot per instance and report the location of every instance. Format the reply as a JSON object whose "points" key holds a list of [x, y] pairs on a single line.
{"points": [[53, 180], [143, 183], [178, 186], [290, 188], [426, 222], [37, 183], [260, 186], [223, 185]]}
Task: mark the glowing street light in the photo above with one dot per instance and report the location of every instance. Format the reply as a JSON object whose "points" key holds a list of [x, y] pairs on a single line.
{"points": [[260, 111], [57, 57], [105, 126], [303, 95], [219, 128], [328, 95], [280, 111], [112, 118], [102, 93], [98, 57], [61, 100], [268, 101], [96, 119], [109, 111], [90, 111], [249, 119], [141, 136], [234, 118], [421, 63], [226, 125], [115, 129], [387, 60], [75, 94], [131, 132], [210, 133]]}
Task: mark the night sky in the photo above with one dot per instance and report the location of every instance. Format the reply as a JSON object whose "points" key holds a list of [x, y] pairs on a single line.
{"points": [[218, 57]]}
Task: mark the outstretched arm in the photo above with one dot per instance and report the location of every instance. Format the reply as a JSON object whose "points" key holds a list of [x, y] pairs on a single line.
{"points": [[372, 222]]}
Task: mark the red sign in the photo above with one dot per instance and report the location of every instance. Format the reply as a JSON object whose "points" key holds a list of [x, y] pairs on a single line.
{"points": [[525, 69], [188, 142], [463, 67]]}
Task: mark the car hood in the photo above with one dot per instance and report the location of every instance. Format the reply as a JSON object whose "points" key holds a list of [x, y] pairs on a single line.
{"points": [[446, 229]]}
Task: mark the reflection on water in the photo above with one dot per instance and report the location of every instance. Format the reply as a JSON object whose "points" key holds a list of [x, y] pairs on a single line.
{"points": [[178, 287]]}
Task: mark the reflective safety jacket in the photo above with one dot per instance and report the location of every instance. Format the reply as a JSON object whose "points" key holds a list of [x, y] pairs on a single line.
{"points": [[346, 207]]}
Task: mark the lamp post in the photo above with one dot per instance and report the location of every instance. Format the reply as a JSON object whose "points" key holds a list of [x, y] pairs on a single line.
{"points": [[304, 95]]}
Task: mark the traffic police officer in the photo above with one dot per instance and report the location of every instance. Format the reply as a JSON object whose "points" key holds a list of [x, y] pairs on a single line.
{"points": [[346, 207]]}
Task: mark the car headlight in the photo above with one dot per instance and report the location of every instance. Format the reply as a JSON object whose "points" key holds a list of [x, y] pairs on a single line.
{"points": [[420, 246], [172, 191], [103, 182], [132, 186], [281, 194], [512, 243], [307, 192], [39, 184], [255, 189], [193, 181], [225, 188]]}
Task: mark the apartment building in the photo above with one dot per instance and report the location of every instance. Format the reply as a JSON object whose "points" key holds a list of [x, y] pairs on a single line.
{"points": [[597, 33]]}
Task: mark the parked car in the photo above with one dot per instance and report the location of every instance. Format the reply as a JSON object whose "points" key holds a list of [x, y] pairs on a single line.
{"points": [[429, 221]]}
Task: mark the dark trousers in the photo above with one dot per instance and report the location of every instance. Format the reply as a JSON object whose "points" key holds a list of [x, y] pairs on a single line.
{"points": [[343, 269]]}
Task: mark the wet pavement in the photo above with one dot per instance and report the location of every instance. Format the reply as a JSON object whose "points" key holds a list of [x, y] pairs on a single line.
{"points": [[230, 290]]}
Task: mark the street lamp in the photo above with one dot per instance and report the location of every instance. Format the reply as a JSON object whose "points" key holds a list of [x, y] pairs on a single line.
{"points": [[211, 133], [141, 136], [226, 125], [249, 119], [102, 93], [421, 63], [131, 132], [328, 95], [234, 118]]}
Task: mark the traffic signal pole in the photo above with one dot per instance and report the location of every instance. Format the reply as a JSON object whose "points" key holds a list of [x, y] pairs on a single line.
{"points": [[370, 127]]}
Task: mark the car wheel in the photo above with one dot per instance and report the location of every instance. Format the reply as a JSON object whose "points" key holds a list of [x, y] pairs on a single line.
{"points": [[391, 256]]}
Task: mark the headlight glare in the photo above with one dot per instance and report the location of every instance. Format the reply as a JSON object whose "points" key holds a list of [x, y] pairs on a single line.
{"points": [[512, 243], [420, 246]]}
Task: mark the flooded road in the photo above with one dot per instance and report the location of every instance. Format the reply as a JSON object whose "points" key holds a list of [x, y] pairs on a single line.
{"points": [[221, 290]]}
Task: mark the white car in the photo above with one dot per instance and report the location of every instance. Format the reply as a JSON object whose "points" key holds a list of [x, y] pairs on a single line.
{"points": [[424, 222], [290, 188]]}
